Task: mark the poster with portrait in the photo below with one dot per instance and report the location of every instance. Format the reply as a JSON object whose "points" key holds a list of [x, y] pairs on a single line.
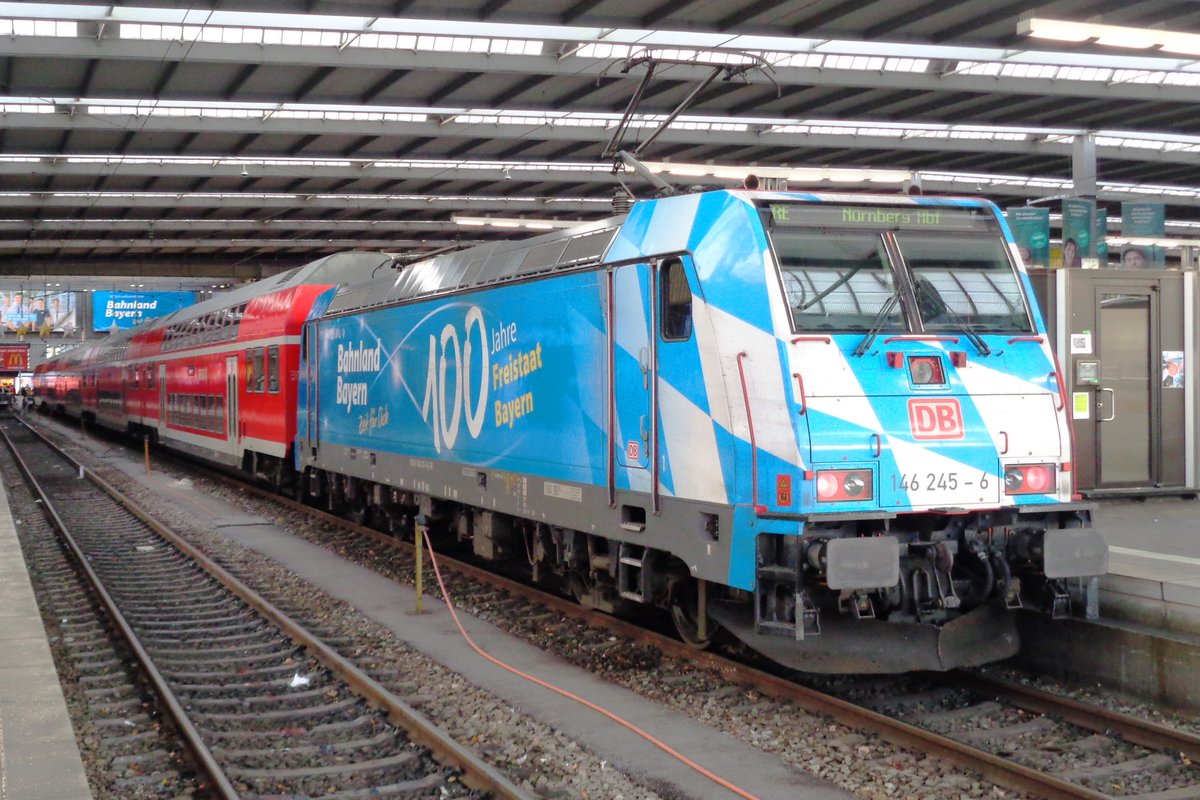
{"points": [[1031, 231], [39, 313], [1173, 369], [1078, 226], [1100, 236], [1143, 221]]}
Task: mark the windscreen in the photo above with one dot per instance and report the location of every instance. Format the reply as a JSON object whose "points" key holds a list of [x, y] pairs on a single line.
{"points": [[839, 266], [837, 280], [962, 278]]}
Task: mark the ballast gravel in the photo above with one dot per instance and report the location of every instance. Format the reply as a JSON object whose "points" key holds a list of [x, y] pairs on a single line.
{"points": [[545, 761]]}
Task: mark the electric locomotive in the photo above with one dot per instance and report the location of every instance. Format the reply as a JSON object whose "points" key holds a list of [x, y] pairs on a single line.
{"points": [[830, 426]]}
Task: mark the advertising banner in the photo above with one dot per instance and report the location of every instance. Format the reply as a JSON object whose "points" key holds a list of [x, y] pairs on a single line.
{"points": [[1077, 231], [1031, 229], [122, 310], [41, 313], [1143, 220], [1100, 236], [14, 357]]}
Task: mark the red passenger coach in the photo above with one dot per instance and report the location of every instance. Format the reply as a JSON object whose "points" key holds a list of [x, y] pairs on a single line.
{"points": [[217, 379]]}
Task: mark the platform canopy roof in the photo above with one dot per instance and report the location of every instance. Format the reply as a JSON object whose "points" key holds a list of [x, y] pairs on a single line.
{"points": [[239, 136]]}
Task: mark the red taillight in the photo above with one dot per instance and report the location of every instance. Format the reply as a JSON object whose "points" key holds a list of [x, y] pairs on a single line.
{"points": [[926, 370], [842, 485], [1029, 479]]}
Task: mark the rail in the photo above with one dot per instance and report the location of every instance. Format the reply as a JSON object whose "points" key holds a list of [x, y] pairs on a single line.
{"points": [[476, 773]]}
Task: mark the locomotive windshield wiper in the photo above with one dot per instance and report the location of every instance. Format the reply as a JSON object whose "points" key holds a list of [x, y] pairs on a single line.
{"points": [[930, 300], [877, 323]]}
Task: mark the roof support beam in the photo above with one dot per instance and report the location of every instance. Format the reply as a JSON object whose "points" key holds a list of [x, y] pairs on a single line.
{"points": [[430, 131], [550, 65]]}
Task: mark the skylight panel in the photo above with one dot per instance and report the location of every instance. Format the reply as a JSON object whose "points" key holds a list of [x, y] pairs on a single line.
{"points": [[301, 37], [38, 27], [26, 108]]}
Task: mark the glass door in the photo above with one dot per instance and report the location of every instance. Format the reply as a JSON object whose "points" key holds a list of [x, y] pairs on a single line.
{"points": [[1126, 397]]}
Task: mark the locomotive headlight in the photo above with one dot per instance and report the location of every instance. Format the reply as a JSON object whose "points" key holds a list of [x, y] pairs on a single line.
{"points": [[843, 485], [926, 370], [1029, 478]]}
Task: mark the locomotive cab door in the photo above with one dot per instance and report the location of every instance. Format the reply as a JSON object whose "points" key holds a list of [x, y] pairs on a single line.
{"points": [[631, 363]]}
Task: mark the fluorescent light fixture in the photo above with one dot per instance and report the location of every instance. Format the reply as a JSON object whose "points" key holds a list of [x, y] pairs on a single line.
{"points": [[797, 175], [515, 222], [1111, 35]]}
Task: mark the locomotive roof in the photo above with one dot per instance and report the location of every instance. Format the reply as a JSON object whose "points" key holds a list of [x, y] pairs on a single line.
{"points": [[502, 262], [496, 262]]}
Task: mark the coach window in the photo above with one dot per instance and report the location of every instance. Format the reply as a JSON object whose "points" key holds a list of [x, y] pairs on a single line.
{"points": [[676, 302], [273, 369], [256, 372], [260, 372]]}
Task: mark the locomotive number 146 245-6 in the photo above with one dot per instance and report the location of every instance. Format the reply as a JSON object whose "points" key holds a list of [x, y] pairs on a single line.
{"points": [[938, 481]]}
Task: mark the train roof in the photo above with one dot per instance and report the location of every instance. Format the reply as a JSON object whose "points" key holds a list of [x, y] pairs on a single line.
{"points": [[502, 262], [352, 266], [495, 262]]}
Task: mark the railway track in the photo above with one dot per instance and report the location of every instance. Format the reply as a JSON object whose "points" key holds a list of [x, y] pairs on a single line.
{"points": [[1017, 737], [265, 708], [128, 749]]}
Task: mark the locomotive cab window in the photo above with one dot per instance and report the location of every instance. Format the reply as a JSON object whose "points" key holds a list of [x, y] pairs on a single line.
{"points": [[838, 280], [964, 280], [843, 268], [676, 302]]}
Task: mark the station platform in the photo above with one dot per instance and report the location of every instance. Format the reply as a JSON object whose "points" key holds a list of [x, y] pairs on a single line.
{"points": [[39, 759], [1147, 640], [1154, 562]]}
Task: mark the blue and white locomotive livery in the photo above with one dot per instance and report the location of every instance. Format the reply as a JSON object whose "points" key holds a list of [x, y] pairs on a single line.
{"points": [[828, 425]]}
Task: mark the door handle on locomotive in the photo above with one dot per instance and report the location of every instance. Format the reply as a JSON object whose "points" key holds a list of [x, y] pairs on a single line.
{"points": [[1113, 415], [877, 449], [800, 387]]}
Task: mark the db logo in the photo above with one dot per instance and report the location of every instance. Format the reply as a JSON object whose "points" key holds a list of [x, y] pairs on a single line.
{"points": [[632, 451], [935, 419]]}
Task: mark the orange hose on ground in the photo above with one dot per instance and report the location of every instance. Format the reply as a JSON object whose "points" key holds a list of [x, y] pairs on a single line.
{"points": [[666, 748]]}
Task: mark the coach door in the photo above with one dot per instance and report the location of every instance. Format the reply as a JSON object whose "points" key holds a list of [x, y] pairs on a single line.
{"points": [[310, 341], [632, 368], [162, 397], [231, 398]]}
